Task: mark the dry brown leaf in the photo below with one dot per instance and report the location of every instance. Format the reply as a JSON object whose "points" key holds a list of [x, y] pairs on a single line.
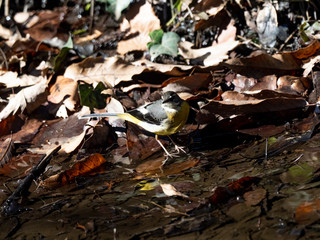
{"points": [[308, 212], [66, 90], [27, 99], [309, 65], [28, 131], [208, 5], [243, 83], [6, 148], [20, 165], [254, 95], [260, 64], [10, 125], [255, 197], [154, 168], [113, 70], [47, 26], [142, 24], [264, 131], [110, 70], [83, 167], [140, 146], [294, 85], [220, 18], [230, 108], [189, 83], [68, 133], [307, 51]]}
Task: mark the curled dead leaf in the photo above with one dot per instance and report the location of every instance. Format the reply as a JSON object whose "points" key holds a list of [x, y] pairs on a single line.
{"points": [[83, 167]]}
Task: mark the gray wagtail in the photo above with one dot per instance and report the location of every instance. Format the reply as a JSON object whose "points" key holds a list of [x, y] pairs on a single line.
{"points": [[165, 116]]}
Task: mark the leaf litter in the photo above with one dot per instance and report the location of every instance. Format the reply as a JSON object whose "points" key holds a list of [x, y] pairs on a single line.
{"points": [[251, 167]]}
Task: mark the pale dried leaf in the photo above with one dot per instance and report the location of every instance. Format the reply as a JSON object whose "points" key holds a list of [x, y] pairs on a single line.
{"points": [[11, 79], [65, 90], [217, 52], [267, 25], [28, 98], [309, 65], [113, 70], [170, 190], [143, 23], [5, 33]]}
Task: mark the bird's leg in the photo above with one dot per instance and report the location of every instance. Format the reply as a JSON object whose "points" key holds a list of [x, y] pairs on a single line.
{"points": [[176, 147], [166, 151]]}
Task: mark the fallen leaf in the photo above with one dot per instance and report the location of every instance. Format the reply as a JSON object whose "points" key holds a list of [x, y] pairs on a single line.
{"points": [[11, 124], [169, 46], [47, 26], [260, 64], [307, 51], [222, 195], [28, 131], [219, 18], [27, 99], [308, 212], [297, 174], [292, 84], [5, 33], [155, 168], [66, 90], [19, 166], [188, 83], [216, 53], [83, 167], [6, 148], [267, 25], [230, 108], [140, 26], [68, 133], [170, 190], [254, 197], [140, 145], [114, 70]]}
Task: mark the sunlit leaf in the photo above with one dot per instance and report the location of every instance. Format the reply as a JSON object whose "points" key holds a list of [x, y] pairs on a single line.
{"points": [[156, 37], [169, 45]]}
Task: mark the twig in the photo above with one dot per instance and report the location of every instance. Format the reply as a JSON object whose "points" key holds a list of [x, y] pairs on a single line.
{"points": [[6, 8], [4, 59], [266, 150], [253, 43], [288, 39], [10, 206], [91, 16]]}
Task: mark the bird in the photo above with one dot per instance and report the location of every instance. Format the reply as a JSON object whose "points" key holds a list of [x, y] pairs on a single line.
{"points": [[165, 116]]}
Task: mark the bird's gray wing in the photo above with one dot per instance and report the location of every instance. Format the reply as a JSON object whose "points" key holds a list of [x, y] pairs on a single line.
{"points": [[152, 113]]}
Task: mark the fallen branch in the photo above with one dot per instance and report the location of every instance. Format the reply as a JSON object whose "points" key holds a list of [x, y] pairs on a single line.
{"points": [[11, 206]]}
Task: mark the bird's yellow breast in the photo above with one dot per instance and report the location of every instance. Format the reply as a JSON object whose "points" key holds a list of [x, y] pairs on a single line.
{"points": [[176, 120]]}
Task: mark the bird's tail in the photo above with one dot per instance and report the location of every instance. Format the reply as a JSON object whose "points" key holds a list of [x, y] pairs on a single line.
{"points": [[126, 116]]}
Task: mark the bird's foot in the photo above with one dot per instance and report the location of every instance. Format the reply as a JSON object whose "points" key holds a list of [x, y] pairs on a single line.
{"points": [[179, 149]]}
